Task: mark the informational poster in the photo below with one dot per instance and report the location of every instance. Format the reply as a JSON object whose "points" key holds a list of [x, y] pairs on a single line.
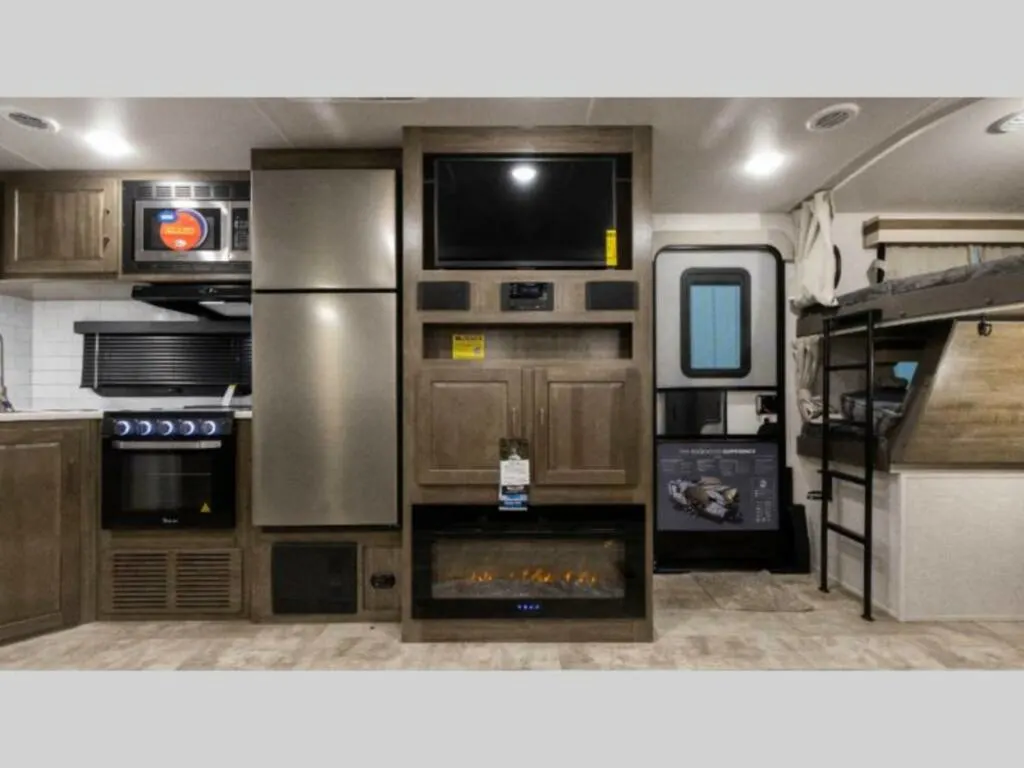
{"points": [[717, 486], [514, 472]]}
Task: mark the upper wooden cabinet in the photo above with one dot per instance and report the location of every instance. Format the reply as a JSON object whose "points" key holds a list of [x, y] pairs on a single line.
{"points": [[47, 495], [586, 426], [56, 223], [461, 415]]}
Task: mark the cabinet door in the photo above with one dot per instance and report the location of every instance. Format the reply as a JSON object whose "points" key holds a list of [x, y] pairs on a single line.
{"points": [[40, 546], [461, 415], [586, 426], [60, 224]]}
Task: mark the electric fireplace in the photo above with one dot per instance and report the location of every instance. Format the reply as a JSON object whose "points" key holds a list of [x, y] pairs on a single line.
{"points": [[559, 562]]}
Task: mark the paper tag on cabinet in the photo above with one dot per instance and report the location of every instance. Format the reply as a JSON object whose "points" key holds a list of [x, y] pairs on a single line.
{"points": [[514, 474]]}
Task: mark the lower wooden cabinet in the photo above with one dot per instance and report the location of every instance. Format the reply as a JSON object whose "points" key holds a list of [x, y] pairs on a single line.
{"points": [[582, 421], [586, 426], [48, 497]]}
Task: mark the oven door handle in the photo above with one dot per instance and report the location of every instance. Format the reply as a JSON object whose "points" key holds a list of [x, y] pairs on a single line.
{"points": [[182, 445]]}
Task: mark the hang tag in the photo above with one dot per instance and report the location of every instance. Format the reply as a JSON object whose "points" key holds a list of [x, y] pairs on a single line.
{"points": [[514, 474]]}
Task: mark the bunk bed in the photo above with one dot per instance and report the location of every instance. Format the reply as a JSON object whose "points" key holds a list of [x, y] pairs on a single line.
{"points": [[935, 319]]}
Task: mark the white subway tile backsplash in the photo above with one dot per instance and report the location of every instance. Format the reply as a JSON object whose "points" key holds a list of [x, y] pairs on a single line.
{"points": [[16, 328]]}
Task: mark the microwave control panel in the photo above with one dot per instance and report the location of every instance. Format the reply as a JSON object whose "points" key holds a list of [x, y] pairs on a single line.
{"points": [[527, 297]]}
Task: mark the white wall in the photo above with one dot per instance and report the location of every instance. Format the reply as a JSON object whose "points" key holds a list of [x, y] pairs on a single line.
{"points": [[16, 328]]}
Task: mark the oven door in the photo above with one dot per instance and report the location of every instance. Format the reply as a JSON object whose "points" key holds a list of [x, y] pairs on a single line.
{"points": [[160, 484], [182, 231]]}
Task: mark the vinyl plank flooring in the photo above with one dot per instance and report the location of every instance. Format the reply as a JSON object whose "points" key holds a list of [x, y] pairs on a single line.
{"points": [[692, 633]]}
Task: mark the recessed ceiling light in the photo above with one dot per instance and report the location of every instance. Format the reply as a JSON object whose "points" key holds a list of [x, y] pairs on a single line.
{"points": [[830, 118], [32, 122], [524, 174], [1009, 124], [107, 143], [764, 164]]}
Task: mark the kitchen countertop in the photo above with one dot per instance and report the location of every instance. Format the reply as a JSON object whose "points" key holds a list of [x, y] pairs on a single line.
{"points": [[73, 415]]}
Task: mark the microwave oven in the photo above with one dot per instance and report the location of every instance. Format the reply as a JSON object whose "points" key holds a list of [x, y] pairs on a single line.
{"points": [[183, 227]]}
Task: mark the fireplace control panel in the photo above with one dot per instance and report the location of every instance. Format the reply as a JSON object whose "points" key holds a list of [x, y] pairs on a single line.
{"points": [[528, 607]]}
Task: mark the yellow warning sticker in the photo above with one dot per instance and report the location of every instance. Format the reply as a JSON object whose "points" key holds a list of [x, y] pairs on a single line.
{"points": [[205, 509], [611, 248], [467, 347]]}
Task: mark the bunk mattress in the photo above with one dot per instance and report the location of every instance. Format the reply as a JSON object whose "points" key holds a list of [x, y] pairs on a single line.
{"points": [[989, 273]]}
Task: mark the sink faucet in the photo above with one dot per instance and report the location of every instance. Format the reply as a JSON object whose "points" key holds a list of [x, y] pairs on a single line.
{"points": [[5, 404]]}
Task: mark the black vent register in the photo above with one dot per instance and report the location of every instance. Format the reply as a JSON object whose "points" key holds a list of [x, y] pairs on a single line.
{"points": [[166, 359], [314, 579]]}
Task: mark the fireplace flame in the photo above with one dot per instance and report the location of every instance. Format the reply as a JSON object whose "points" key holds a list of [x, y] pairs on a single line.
{"points": [[538, 576]]}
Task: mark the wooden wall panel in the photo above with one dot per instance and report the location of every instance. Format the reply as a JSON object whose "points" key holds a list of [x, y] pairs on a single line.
{"points": [[973, 412]]}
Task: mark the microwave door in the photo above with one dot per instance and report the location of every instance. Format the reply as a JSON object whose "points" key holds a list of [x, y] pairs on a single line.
{"points": [[182, 231]]}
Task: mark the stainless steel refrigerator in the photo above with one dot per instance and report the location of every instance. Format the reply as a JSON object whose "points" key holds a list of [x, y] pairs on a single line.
{"points": [[325, 348]]}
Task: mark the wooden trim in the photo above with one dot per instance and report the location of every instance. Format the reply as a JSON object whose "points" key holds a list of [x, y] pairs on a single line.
{"points": [[319, 159], [898, 231], [529, 631], [568, 139]]}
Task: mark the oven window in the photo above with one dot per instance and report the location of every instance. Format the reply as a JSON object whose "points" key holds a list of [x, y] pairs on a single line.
{"points": [[182, 229], [503, 569], [166, 482]]}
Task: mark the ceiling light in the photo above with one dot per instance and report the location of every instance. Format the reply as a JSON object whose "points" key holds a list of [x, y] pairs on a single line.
{"points": [[1009, 124], [32, 122], [524, 174], [764, 164], [107, 143]]}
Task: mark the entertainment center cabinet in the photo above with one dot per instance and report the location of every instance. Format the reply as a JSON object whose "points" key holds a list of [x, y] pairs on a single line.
{"points": [[560, 357]]}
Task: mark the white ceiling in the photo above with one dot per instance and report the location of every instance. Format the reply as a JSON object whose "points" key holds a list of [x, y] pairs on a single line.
{"points": [[955, 165], [700, 145]]}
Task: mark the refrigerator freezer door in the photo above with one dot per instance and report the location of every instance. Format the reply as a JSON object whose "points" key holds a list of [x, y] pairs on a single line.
{"points": [[324, 230], [325, 423]]}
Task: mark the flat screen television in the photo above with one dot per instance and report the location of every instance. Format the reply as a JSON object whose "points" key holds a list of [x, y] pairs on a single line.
{"points": [[526, 212]]}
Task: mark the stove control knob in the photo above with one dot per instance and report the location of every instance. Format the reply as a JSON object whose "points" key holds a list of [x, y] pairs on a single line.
{"points": [[145, 427], [165, 428], [208, 428], [122, 427], [188, 428]]}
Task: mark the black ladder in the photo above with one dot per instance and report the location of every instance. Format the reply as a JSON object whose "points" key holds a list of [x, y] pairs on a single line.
{"points": [[829, 475]]}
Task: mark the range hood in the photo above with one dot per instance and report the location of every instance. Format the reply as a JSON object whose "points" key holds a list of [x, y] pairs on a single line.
{"points": [[209, 301]]}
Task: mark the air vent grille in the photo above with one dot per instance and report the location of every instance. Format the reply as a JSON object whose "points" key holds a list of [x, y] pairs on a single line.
{"points": [[32, 122], [174, 582], [205, 581], [832, 117], [139, 582], [152, 190]]}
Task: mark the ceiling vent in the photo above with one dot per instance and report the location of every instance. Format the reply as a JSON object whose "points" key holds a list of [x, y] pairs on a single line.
{"points": [[32, 122], [1009, 124], [830, 118]]}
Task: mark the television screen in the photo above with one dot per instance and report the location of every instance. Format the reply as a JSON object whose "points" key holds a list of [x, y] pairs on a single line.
{"points": [[525, 212]]}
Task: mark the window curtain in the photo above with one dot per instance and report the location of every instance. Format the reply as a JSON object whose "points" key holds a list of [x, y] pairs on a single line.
{"points": [[815, 259]]}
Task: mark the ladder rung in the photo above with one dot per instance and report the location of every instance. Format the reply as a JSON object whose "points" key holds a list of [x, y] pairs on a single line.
{"points": [[842, 530], [844, 476], [847, 367]]}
